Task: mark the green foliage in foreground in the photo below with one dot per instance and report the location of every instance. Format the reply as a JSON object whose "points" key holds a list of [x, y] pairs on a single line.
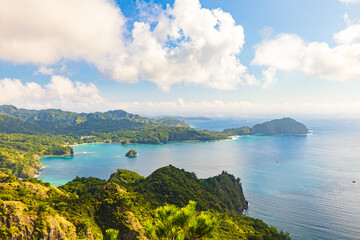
{"points": [[111, 234], [172, 222], [90, 208]]}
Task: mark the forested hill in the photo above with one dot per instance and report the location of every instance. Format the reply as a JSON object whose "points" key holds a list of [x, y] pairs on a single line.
{"points": [[284, 126], [91, 208], [222, 193], [63, 118]]}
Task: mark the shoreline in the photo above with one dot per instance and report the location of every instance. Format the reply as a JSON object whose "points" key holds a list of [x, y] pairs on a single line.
{"points": [[73, 145]]}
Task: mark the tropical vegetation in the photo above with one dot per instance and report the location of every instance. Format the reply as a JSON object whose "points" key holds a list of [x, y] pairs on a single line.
{"points": [[91, 208]]}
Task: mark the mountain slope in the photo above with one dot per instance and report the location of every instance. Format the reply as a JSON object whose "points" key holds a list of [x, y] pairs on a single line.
{"points": [[10, 124]]}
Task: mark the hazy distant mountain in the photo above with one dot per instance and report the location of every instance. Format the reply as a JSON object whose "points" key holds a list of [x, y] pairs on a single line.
{"points": [[63, 119], [284, 126]]}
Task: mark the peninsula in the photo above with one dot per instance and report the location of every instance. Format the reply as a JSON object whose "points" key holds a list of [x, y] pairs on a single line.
{"points": [[284, 126]]}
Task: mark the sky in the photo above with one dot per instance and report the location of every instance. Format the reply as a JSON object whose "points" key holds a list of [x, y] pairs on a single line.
{"points": [[182, 57]]}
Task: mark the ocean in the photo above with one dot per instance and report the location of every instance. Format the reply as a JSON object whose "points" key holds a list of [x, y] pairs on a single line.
{"points": [[308, 185]]}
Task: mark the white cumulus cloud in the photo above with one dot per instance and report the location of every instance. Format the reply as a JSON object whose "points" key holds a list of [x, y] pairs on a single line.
{"points": [[269, 76], [45, 70], [349, 35], [60, 92], [183, 43], [41, 31], [188, 44], [290, 52], [66, 94]]}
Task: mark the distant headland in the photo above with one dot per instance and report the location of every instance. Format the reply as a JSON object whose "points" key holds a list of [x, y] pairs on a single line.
{"points": [[284, 126]]}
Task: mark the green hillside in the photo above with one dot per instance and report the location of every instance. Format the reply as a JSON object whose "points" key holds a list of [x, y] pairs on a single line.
{"points": [[91, 208], [19, 153], [10, 124], [175, 186]]}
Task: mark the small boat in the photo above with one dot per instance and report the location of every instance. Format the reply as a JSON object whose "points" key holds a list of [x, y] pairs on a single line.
{"points": [[353, 181]]}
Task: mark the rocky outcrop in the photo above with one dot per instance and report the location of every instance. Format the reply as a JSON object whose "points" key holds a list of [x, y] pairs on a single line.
{"points": [[18, 221], [131, 153], [26, 212]]}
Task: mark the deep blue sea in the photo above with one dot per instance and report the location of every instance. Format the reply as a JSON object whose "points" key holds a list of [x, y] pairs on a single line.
{"points": [[300, 184]]}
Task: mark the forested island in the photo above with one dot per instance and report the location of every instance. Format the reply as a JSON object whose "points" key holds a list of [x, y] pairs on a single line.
{"points": [[169, 204], [284, 126]]}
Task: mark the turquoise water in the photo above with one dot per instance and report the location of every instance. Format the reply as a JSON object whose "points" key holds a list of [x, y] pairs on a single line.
{"points": [[301, 184]]}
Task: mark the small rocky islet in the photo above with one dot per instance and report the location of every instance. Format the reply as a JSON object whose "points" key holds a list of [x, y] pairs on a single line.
{"points": [[131, 153]]}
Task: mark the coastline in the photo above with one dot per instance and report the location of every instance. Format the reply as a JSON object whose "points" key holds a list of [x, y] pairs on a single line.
{"points": [[39, 172], [73, 145], [104, 142]]}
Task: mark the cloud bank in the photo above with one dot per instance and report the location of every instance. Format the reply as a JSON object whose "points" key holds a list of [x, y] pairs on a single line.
{"points": [[60, 92], [219, 108], [66, 94], [290, 52], [182, 43]]}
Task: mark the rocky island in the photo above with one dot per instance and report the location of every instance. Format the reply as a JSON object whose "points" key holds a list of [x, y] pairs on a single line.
{"points": [[131, 153]]}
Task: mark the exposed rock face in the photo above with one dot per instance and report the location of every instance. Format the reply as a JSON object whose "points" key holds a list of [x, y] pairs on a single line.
{"points": [[24, 213], [22, 223], [131, 153]]}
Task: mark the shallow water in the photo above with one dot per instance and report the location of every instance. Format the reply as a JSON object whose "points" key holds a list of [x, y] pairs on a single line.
{"points": [[301, 184]]}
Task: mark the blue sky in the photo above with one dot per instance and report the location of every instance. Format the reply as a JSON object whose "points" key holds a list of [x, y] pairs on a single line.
{"points": [[214, 58]]}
